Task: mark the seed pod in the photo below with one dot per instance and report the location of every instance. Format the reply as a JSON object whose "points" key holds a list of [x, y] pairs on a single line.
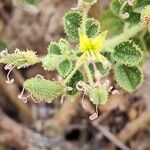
{"points": [[98, 96]]}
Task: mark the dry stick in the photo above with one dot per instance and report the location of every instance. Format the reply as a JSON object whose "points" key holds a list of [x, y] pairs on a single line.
{"points": [[134, 126], [17, 134], [110, 136], [10, 91], [18, 77], [13, 132]]}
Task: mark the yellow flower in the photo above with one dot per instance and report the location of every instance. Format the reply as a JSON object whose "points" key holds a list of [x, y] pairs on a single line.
{"points": [[91, 47], [91, 44]]}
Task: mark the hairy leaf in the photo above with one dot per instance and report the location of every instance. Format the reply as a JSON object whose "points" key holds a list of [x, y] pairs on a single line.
{"points": [[73, 21], [51, 62], [43, 89], [118, 8], [92, 27], [115, 6], [127, 53], [65, 68], [129, 78], [140, 4], [134, 17], [53, 48], [64, 46], [20, 59], [103, 71], [73, 81], [112, 23]]}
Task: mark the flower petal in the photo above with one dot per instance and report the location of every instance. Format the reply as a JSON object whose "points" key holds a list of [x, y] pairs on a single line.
{"points": [[84, 41], [98, 41]]}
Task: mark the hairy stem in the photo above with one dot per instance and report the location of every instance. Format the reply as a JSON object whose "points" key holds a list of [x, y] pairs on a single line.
{"points": [[111, 43], [71, 75], [88, 73]]}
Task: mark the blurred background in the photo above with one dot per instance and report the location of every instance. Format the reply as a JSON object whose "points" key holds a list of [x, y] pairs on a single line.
{"points": [[124, 122]]}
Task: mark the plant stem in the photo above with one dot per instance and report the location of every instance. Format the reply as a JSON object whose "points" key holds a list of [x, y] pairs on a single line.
{"points": [[111, 43], [71, 74], [78, 64], [88, 73], [84, 18]]}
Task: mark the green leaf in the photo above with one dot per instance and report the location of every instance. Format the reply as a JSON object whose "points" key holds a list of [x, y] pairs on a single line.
{"points": [[129, 78], [51, 62], [103, 71], [141, 43], [20, 59], [115, 6], [92, 27], [73, 21], [98, 96], [134, 17], [65, 68], [43, 89], [108, 55], [64, 45], [66, 50], [127, 53], [140, 4], [53, 48], [73, 81], [112, 23]]}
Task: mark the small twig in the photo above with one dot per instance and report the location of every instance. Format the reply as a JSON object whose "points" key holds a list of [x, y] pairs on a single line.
{"points": [[17, 75], [110, 136], [134, 126], [11, 92]]}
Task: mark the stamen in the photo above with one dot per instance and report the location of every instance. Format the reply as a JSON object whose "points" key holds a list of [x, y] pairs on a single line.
{"points": [[16, 51], [4, 53], [147, 20], [106, 83], [8, 67], [130, 2], [110, 88], [62, 100], [10, 81], [125, 15], [60, 79], [34, 99], [82, 101], [115, 92], [49, 101], [95, 115], [69, 88], [21, 97], [81, 86], [39, 76]]}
